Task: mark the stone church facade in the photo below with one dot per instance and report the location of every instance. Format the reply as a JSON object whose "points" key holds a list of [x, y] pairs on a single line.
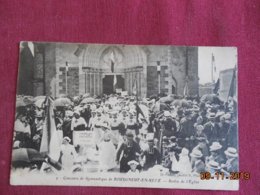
{"points": [[74, 69]]}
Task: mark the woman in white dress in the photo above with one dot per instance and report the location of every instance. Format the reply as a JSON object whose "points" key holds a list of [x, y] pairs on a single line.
{"points": [[68, 154], [107, 150], [184, 164]]}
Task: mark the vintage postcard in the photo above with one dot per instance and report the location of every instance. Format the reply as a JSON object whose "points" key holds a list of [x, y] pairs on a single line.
{"points": [[126, 116]]}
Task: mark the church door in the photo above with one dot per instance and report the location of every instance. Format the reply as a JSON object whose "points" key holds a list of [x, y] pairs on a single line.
{"points": [[108, 84]]}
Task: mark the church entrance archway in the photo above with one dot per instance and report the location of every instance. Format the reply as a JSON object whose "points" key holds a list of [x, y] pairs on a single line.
{"points": [[113, 82], [100, 61]]}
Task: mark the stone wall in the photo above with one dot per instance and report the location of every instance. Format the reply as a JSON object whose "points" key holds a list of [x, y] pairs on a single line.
{"points": [[178, 66]]}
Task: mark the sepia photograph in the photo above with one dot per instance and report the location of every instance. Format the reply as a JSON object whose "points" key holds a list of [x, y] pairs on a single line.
{"points": [[152, 116]]}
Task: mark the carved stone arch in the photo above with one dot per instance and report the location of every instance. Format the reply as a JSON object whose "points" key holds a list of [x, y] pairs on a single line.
{"points": [[132, 64]]}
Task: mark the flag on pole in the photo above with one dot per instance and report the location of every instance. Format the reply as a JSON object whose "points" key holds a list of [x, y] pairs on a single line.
{"points": [[143, 110], [213, 63], [216, 88], [232, 88], [213, 68], [186, 89], [112, 58], [50, 143]]}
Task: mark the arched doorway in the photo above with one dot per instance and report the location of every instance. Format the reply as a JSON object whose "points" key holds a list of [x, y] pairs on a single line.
{"points": [[128, 63], [113, 82]]}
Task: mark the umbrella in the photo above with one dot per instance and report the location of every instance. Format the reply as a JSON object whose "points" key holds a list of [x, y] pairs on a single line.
{"points": [[212, 98], [88, 100], [63, 96], [167, 99], [181, 103], [39, 98], [62, 102], [39, 103], [24, 101], [26, 155], [160, 107], [86, 95], [20, 103]]}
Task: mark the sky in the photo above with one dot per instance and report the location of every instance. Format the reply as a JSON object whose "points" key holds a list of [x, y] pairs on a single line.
{"points": [[225, 58]]}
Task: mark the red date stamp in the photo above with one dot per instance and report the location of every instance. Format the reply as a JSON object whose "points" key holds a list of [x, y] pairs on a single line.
{"points": [[223, 176]]}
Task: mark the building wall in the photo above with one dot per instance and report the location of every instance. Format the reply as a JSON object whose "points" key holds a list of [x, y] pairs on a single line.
{"points": [[225, 78], [178, 65], [176, 68]]}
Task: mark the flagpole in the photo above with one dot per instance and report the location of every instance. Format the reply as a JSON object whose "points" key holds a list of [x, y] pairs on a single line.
{"points": [[66, 78], [136, 100], [231, 88], [212, 79]]}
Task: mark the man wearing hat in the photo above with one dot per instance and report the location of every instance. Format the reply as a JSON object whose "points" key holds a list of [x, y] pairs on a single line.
{"points": [[223, 130], [202, 145], [169, 124], [215, 151], [197, 163], [231, 164], [211, 128], [151, 155], [187, 131], [78, 123], [129, 150], [66, 126], [23, 130], [213, 167], [86, 113], [37, 134]]}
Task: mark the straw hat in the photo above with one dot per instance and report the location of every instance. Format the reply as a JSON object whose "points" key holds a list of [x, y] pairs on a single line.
{"points": [[211, 115], [133, 162], [213, 165], [215, 146], [67, 139], [232, 152], [196, 153]]}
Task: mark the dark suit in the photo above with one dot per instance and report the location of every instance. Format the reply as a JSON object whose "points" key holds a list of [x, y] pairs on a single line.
{"points": [[152, 156], [211, 131], [128, 153]]}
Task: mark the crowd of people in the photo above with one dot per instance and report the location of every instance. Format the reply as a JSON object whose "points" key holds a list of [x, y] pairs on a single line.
{"points": [[167, 135]]}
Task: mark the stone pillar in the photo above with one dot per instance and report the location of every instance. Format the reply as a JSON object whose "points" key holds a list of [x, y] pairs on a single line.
{"points": [[101, 82], [94, 82], [98, 82], [131, 82], [126, 85]]}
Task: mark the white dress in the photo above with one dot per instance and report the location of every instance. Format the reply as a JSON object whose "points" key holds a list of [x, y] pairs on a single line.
{"points": [[68, 156], [107, 156], [184, 164], [175, 163]]}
